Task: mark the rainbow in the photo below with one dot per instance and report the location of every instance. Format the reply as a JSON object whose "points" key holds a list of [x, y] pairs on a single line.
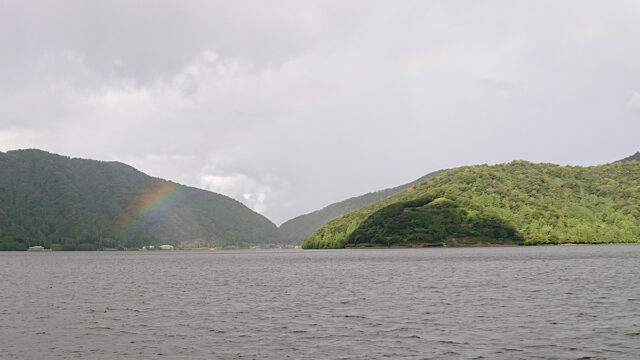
{"points": [[154, 197], [150, 200]]}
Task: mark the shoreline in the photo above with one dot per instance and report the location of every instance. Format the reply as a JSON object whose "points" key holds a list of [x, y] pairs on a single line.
{"points": [[378, 247], [381, 247]]}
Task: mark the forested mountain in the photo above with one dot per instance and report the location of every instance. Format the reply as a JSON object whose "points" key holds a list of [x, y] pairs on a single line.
{"points": [[301, 227], [65, 203], [515, 203], [634, 157]]}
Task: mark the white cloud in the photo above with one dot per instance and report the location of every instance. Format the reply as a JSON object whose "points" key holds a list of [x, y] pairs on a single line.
{"points": [[257, 193], [19, 138], [634, 100]]}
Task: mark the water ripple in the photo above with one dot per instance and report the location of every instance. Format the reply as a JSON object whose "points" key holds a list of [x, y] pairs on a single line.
{"points": [[481, 303]]}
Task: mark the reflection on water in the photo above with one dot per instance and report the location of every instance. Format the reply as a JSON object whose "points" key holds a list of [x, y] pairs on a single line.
{"points": [[521, 302]]}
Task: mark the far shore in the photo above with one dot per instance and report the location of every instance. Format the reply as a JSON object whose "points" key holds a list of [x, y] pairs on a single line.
{"points": [[357, 247], [419, 246]]}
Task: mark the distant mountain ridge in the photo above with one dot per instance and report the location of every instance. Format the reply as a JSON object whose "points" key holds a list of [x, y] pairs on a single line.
{"points": [[75, 204], [634, 157], [301, 227], [78, 204]]}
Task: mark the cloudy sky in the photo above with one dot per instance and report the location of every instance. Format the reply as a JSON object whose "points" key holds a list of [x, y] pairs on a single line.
{"points": [[289, 106]]}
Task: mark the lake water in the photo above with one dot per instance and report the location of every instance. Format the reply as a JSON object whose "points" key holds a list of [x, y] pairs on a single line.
{"points": [[564, 302]]}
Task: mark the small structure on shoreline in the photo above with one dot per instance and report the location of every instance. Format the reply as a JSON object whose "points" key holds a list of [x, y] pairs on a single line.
{"points": [[37, 248], [161, 247]]}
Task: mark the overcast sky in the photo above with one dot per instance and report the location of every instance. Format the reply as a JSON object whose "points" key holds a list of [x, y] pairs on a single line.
{"points": [[289, 106]]}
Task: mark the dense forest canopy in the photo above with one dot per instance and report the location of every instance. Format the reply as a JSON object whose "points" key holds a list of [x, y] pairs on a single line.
{"points": [[515, 203], [78, 204]]}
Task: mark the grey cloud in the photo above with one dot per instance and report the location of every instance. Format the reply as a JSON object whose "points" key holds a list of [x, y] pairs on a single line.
{"points": [[289, 106]]}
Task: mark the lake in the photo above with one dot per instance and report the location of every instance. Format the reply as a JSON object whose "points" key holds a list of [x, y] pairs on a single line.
{"points": [[562, 302]]}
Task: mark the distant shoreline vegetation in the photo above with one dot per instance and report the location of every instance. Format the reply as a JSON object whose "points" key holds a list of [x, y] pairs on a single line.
{"points": [[159, 249], [519, 203]]}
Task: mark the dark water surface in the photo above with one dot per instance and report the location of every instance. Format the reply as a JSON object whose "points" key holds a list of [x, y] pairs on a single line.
{"points": [[564, 302]]}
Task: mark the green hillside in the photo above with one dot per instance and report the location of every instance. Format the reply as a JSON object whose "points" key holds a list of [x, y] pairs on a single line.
{"points": [[76, 204], [301, 227], [515, 203]]}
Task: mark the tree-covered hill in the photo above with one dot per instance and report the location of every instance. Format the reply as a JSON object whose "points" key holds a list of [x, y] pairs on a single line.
{"points": [[301, 227], [65, 203], [515, 203]]}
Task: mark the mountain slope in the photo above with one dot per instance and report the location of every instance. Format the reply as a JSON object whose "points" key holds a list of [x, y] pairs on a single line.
{"points": [[52, 200], [301, 227], [513, 203], [634, 157]]}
